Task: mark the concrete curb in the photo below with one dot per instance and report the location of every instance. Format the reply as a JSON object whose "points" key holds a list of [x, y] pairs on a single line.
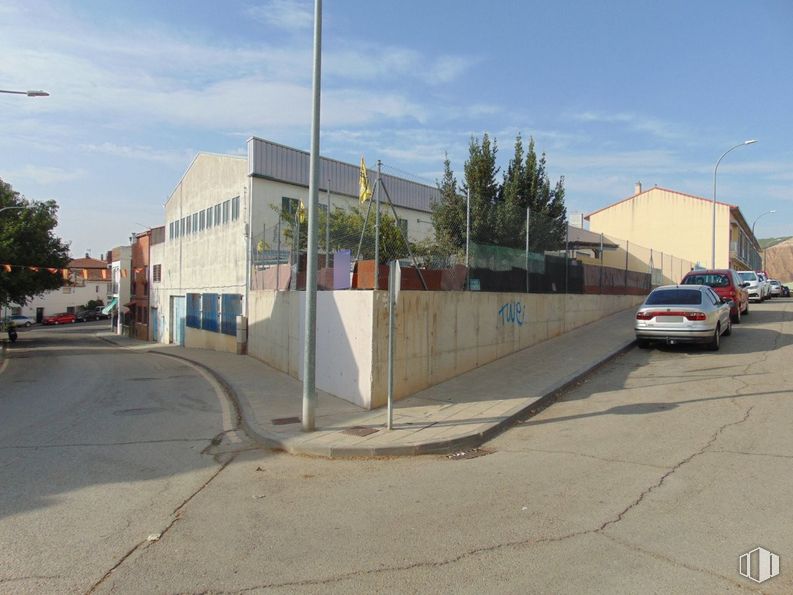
{"points": [[451, 445]]}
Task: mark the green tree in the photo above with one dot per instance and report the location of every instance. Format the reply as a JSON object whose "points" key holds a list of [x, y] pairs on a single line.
{"points": [[448, 216], [27, 238], [480, 179]]}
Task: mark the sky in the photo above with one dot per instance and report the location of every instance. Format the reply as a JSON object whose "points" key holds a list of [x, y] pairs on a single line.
{"points": [[613, 92]]}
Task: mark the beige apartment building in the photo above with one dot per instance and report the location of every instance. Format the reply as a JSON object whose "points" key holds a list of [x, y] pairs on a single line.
{"points": [[681, 225]]}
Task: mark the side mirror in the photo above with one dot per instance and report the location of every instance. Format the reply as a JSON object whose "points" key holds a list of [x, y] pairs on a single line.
{"points": [[745, 284], [726, 300]]}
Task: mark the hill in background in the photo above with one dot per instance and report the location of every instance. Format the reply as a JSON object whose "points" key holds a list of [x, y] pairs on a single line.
{"points": [[768, 242]]}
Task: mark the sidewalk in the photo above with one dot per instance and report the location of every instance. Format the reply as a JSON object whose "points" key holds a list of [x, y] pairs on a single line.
{"points": [[457, 414]]}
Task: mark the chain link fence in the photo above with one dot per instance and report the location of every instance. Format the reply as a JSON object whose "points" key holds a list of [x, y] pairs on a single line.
{"points": [[528, 252]]}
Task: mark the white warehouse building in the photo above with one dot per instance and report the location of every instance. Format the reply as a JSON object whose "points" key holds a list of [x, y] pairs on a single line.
{"points": [[201, 273]]}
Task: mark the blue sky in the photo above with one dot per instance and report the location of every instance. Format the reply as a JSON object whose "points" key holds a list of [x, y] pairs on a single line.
{"points": [[613, 92]]}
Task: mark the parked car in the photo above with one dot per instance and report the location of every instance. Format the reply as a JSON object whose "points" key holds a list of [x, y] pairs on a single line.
{"points": [[86, 315], [20, 320], [61, 318], [754, 288], [785, 291], [727, 284], [765, 285], [101, 315], [683, 314], [776, 288]]}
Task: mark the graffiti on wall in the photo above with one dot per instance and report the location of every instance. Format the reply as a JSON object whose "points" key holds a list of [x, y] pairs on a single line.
{"points": [[512, 313]]}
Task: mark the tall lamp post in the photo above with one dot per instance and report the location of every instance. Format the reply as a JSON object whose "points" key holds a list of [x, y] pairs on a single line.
{"points": [[715, 171], [762, 250]]}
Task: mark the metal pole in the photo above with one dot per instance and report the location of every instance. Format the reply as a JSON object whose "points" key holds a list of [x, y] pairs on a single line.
{"points": [[527, 249], [327, 231], [601, 263], [627, 254], [713, 230], [467, 237], [310, 340], [391, 341], [278, 264], [377, 230], [248, 250]]}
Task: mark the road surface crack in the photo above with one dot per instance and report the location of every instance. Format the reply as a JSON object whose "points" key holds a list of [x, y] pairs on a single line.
{"points": [[177, 516]]}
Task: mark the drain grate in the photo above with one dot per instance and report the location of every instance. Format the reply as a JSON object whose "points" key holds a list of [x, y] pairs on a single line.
{"points": [[359, 431], [283, 421], [469, 454]]}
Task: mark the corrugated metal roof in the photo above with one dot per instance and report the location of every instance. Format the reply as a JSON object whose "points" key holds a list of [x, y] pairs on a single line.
{"points": [[276, 162]]}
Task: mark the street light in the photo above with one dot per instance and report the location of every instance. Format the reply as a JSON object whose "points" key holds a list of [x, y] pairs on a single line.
{"points": [[715, 170], [772, 211], [28, 93]]}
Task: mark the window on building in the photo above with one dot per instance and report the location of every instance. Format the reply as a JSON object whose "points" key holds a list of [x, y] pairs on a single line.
{"points": [[156, 273], [209, 312], [217, 214], [181, 226], [67, 289], [201, 220], [231, 307], [235, 208], [195, 222], [193, 310], [403, 225], [289, 205], [170, 230], [226, 210], [209, 217]]}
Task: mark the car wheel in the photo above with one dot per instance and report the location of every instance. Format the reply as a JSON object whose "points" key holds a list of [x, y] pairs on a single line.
{"points": [[737, 318], [643, 343], [715, 342], [728, 330], [746, 310], [28, 323]]}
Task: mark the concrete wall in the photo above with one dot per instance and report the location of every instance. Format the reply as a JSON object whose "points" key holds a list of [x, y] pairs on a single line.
{"points": [[198, 339], [60, 300], [344, 338], [440, 334], [668, 221], [443, 334]]}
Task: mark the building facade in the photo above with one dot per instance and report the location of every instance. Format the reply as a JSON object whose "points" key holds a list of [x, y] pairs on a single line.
{"points": [[225, 216], [681, 224]]}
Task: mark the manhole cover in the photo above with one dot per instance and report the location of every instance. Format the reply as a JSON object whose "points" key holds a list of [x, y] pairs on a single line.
{"points": [[471, 453], [282, 421], [359, 431]]}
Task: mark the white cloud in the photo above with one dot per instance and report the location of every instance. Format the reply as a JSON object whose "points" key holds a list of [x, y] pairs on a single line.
{"points": [[290, 15], [44, 175], [141, 153], [655, 127]]}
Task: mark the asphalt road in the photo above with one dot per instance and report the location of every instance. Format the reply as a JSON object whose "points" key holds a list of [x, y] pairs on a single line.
{"points": [[652, 476]]}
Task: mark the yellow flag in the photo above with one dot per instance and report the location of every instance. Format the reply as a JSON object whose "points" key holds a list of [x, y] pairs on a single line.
{"points": [[364, 192], [301, 213]]}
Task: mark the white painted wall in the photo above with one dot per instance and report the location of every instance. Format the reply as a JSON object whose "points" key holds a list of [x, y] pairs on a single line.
{"points": [[60, 300], [344, 338]]}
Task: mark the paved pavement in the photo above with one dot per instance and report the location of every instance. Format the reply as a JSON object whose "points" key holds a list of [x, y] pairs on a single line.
{"points": [[461, 413]]}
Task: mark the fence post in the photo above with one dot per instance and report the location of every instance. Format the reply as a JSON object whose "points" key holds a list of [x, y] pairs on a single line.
{"points": [[601, 263], [527, 248], [627, 254]]}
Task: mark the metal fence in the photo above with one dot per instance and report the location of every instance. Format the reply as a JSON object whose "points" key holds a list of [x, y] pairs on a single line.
{"points": [[529, 251]]}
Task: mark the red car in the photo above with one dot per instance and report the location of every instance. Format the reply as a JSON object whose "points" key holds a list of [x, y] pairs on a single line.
{"points": [[62, 318], [727, 284]]}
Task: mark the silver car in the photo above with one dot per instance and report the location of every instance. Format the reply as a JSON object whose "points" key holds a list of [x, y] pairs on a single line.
{"points": [[683, 314], [754, 288], [776, 288]]}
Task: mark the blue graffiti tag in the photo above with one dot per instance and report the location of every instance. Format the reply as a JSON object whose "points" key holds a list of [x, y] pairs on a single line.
{"points": [[513, 313]]}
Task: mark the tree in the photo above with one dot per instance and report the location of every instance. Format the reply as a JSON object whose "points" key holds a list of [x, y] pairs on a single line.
{"points": [[480, 179], [27, 238], [448, 216]]}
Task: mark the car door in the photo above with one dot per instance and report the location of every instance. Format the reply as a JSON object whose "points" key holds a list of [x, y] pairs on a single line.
{"points": [[723, 309]]}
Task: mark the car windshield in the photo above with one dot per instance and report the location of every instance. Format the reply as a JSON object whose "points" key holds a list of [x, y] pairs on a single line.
{"points": [[748, 276], [668, 297], [710, 279]]}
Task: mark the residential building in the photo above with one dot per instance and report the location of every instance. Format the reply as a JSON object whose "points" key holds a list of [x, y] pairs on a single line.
{"points": [[204, 264], [89, 280], [681, 225], [120, 259], [140, 275]]}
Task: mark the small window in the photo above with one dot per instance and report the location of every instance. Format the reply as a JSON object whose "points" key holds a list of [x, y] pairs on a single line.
{"points": [[170, 230], [195, 222], [226, 210], [182, 226], [403, 225], [201, 220], [156, 273], [209, 217], [289, 205], [217, 214], [235, 208]]}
